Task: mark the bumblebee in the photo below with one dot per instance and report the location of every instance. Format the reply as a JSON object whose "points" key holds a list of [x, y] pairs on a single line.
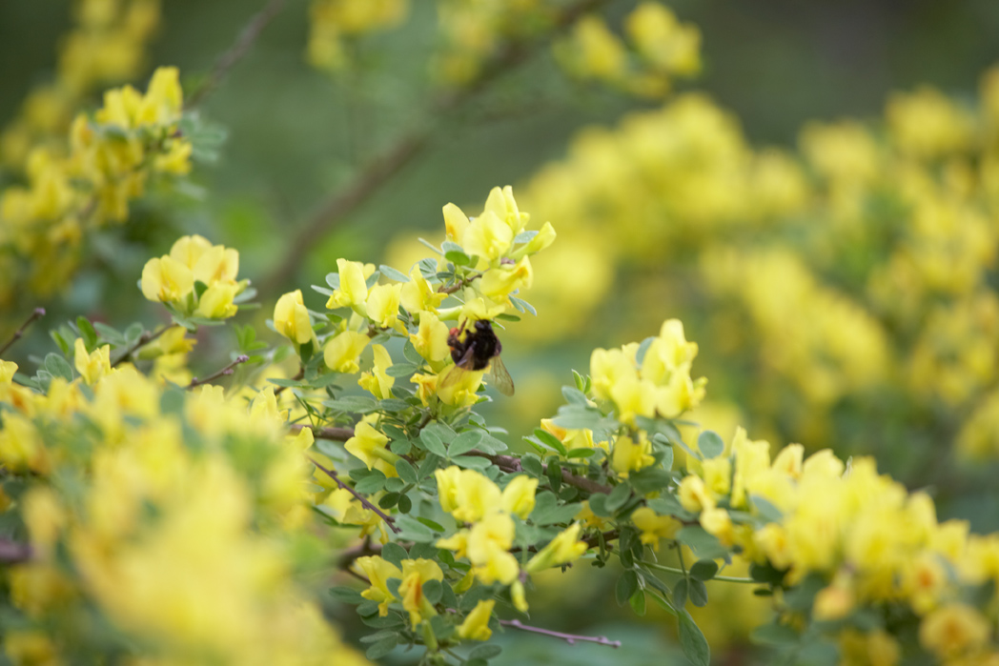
{"points": [[477, 348]]}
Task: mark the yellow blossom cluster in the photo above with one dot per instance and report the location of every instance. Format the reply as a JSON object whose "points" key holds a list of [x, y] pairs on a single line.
{"points": [[488, 259], [859, 264], [860, 534], [195, 279], [106, 46], [176, 511], [110, 160], [662, 48], [333, 21]]}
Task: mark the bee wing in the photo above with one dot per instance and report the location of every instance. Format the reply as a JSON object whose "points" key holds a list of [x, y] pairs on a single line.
{"points": [[500, 376], [454, 373]]}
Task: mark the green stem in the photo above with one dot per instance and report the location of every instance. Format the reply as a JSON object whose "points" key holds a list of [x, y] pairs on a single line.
{"points": [[682, 572]]}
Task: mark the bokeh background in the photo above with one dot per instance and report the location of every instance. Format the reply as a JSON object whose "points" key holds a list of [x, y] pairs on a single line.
{"points": [[298, 135]]}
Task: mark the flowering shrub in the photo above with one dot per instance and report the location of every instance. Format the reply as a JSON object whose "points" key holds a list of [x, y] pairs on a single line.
{"points": [[341, 468], [182, 517]]}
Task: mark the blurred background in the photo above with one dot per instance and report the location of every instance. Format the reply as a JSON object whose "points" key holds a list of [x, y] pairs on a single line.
{"points": [[298, 135]]}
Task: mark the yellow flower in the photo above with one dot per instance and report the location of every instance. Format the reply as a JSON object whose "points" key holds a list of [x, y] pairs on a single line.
{"points": [[430, 340], [631, 456], [92, 366], [342, 351], [426, 387], [693, 495], [459, 390], [653, 527], [564, 548], [377, 381], [488, 238], [716, 521], [476, 624], [369, 446], [466, 494], [217, 264], [834, 602], [489, 542], [418, 294], [188, 249], [378, 571], [717, 473], [455, 223], [7, 370], [518, 496], [458, 542], [498, 283], [501, 203], [166, 280], [382, 305], [953, 630], [353, 291], [291, 318], [216, 301], [415, 573]]}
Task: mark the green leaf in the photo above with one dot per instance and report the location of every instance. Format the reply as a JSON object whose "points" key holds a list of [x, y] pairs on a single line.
{"points": [[547, 510], [618, 497], [347, 595], [577, 417], [382, 647], [431, 524], [406, 471], [637, 602], [776, 635], [649, 480], [413, 530], [465, 442], [525, 236], [333, 280], [598, 505], [694, 645], [58, 366], [668, 505], [642, 349], [473, 462], [704, 570], [400, 370], [573, 396], [710, 444], [393, 274], [485, 652], [352, 403], [531, 464], [433, 443], [626, 586], [801, 596], [580, 453], [433, 591], [87, 332], [370, 484], [698, 593], [60, 341], [110, 335], [705, 545], [549, 440], [680, 593], [766, 573]]}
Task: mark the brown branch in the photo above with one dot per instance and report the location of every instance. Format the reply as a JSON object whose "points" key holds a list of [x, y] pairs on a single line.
{"points": [[333, 434], [512, 464], [379, 170], [227, 370], [571, 639], [36, 314], [360, 498], [237, 51], [143, 340]]}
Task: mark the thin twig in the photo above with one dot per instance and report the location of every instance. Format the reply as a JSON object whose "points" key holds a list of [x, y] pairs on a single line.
{"points": [[512, 464], [237, 51], [12, 552], [227, 370], [571, 639], [143, 340], [380, 169], [360, 498], [37, 314], [724, 579]]}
